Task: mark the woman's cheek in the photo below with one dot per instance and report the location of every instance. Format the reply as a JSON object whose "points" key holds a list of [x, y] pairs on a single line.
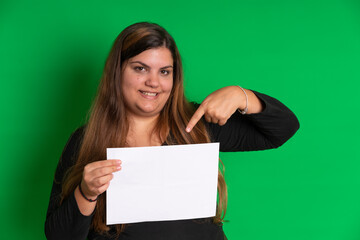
{"points": [[168, 84]]}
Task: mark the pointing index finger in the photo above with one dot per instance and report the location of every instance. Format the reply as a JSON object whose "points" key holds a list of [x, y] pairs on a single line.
{"points": [[195, 118]]}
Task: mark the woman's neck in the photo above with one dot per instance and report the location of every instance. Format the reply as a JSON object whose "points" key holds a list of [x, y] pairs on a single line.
{"points": [[140, 131]]}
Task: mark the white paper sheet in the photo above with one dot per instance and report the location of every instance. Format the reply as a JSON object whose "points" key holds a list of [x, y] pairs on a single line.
{"points": [[163, 183]]}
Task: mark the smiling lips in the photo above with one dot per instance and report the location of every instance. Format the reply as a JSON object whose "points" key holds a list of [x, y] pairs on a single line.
{"points": [[149, 94]]}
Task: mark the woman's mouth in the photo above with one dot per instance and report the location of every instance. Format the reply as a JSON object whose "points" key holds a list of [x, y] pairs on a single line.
{"points": [[150, 94]]}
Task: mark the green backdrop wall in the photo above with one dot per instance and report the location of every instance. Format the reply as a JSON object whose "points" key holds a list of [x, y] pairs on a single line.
{"points": [[305, 53]]}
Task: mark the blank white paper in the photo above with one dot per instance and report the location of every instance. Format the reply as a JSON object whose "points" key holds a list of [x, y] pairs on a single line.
{"points": [[163, 183]]}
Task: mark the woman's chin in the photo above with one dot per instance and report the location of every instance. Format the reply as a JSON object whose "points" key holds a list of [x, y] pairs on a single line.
{"points": [[146, 111]]}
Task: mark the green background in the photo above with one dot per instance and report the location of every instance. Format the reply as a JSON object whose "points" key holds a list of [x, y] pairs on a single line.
{"points": [[304, 53]]}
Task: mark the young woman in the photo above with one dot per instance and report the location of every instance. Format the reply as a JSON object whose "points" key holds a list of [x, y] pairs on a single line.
{"points": [[140, 102]]}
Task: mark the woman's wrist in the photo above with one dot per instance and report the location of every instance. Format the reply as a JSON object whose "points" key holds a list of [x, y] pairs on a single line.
{"points": [[85, 207], [89, 199], [249, 101], [244, 110]]}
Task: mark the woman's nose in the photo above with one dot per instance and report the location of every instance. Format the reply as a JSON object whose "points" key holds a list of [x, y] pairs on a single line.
{"points": [[152, 81]]}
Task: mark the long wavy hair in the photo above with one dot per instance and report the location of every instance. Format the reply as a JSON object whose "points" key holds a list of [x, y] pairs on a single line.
{"points": [[108, 125]]}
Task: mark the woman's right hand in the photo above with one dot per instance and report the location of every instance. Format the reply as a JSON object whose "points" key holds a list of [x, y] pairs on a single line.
{"points": [[97, 175]]}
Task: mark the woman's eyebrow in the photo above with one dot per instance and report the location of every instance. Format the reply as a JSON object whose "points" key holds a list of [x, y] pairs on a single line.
{"points": [[168, 66], [141, 63]]}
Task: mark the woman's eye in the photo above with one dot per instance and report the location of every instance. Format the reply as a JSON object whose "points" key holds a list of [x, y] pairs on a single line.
{"points": [[165, 72], [139, 69]]}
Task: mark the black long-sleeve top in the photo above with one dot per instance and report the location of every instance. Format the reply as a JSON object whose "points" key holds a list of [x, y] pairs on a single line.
{"points": [[269, 129]]}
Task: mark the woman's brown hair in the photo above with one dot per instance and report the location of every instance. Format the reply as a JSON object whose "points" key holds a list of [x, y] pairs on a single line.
{"points": [[108, 125]]}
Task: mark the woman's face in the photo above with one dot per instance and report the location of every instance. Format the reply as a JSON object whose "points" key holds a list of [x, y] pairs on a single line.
{"points": [[147, 82]]}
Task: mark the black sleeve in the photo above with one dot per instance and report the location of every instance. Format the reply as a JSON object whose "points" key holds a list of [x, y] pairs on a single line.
{"points": [[65, 221], [268, 129]]}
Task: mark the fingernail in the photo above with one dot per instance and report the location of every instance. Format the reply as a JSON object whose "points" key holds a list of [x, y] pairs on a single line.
{"points": [[187, 129], [118, 161]]}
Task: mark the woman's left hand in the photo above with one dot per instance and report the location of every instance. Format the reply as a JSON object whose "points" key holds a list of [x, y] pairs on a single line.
{"points": [[221, 104]]}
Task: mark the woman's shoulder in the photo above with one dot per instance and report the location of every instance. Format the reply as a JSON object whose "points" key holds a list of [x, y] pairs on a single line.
{"points": [[70, 152], [78, 134], [75, 139]]}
